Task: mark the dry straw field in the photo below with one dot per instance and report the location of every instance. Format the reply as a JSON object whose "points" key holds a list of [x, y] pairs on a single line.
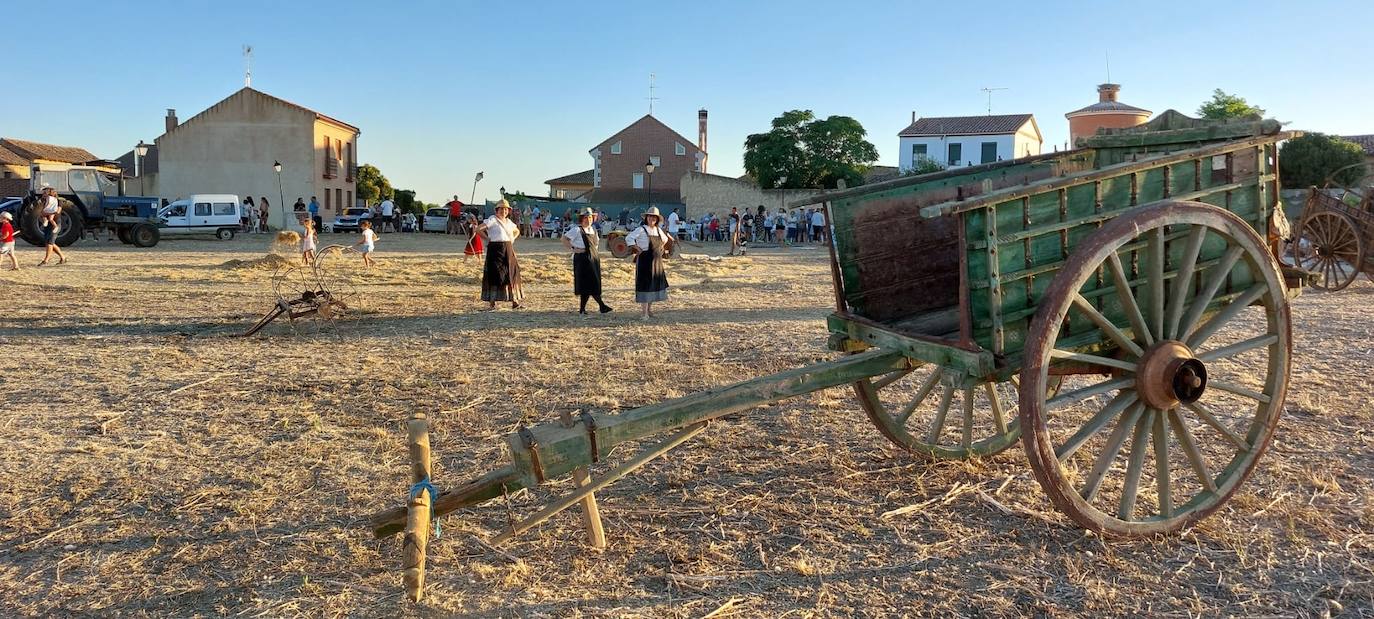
{"points": [[155, 464]]}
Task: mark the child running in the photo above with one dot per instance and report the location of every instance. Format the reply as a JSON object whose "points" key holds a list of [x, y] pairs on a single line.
{"points": [[368, 243], [308, 242], [7, 239]]}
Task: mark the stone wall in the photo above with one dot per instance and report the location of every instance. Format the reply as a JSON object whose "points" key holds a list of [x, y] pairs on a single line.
{"points": [[709, 193]]}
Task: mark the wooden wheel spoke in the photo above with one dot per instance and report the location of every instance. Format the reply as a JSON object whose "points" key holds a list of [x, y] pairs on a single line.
{"points": [[1184, 280], [1239, 390], [1195, 459], [1161, 441], [1109, 452], [966, 440], [1093, 359], [1199, 336], [893, 377], [1127, 299], [1131, 485], [1156, 282], [1207, 417], [1089, 391], [1238, 348], [938, 425], [926, 388], [1095, 425], [998, 418], [1106, 325], [1216, 277]]}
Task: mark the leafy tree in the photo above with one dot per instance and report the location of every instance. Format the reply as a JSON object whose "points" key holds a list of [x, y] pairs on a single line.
{"points": [[405, 200], [371, 184], [809, 153], [1222, 106], [1308, 160], [924, 165]]}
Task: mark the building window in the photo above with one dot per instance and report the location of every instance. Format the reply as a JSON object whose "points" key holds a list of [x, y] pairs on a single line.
{"points": [[637, 180], [326, 200], [615, 148], [679, 149], [349, 194], [338, 196], [654, 160], [917, 151], [989, 152], [956, 153]]}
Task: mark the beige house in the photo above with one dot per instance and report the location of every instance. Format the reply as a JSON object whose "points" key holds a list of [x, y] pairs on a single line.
{"points": [[232, 146], [17, 155]]}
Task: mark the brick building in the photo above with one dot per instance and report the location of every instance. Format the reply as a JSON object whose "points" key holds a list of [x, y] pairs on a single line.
{"points": [[619, 173], [1107, 113]]}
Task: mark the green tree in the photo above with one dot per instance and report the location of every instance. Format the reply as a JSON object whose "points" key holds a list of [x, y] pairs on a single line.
{"points": [[1223, 106], [372, 185], [1308, 160], [809, 153], [924, 165], [405, 200]]}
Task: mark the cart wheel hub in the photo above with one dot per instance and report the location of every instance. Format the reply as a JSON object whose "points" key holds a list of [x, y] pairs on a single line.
{"points": [[1170, 375]]}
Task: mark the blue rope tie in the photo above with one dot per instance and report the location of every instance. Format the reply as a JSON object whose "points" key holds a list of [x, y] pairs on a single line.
{"points": [[421, 486]]}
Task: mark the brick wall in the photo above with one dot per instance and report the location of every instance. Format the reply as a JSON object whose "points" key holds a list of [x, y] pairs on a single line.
{"points": [[709, 193], [647, 137]]}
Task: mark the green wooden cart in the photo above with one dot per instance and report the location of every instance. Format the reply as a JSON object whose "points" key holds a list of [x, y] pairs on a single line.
{"points": [[1335, 234], [1121, 292]]}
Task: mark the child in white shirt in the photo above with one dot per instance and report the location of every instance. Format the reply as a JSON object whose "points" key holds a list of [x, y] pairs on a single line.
{"points": [[308, 242], [368, 243]]}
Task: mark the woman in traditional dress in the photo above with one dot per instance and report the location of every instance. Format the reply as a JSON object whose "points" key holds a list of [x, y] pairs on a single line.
{"points": [[474, 245], [582, 240], [501, 274], [649, 243]]}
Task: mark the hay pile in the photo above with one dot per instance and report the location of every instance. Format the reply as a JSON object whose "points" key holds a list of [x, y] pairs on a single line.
{"points": [[269, 262]]}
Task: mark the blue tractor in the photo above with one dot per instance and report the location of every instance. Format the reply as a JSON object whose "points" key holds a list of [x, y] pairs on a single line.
{"points": [[91, 197]]}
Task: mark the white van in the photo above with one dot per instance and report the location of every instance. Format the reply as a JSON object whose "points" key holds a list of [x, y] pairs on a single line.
{"points": [[202, 213]]}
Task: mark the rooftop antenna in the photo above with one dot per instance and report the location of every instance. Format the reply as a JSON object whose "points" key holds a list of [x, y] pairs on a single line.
{"points": [[652, 98], [1109, 66], [247, 66], [989, 91]]}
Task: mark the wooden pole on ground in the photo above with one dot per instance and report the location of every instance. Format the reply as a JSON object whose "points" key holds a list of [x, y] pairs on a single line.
{"points": [[417, 517], [591, 514]]}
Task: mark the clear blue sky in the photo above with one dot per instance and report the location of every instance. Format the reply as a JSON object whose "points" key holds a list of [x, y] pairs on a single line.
{"points": [[521, 90]]}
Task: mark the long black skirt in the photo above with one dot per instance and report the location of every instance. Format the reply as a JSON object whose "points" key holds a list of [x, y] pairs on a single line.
{"points": [[651, 281], [586, 274], [501, 274]]}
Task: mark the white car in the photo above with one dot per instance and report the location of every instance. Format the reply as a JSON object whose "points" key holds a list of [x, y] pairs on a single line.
{"points": [[212, 213], [348, 221], [436, 220]]}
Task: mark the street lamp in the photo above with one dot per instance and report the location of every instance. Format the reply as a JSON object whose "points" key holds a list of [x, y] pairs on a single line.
{"points": [[649, 180], [140, 152], [473, 198], [281, 196]]}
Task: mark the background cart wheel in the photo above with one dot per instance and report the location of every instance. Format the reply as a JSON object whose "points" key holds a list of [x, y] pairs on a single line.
{"points": [[1192, 313], [616, 244], [926, 409], [333, 270], [1329, 243]]}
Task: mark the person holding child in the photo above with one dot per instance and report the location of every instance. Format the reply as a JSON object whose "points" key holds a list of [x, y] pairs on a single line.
{"points": [[582, 240], [501, 273], [47, 222]]}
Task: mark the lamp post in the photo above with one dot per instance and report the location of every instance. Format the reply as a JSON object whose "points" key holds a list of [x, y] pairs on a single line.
{"points": [[649, 181], [140, 152], [281, 196], [473, 197]]}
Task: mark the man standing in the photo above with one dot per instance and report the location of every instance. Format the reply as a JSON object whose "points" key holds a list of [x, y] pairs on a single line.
{"points": [[674, 223], [388, 215], [314, 208], [734, 229], [455, 216], [818, 225]]}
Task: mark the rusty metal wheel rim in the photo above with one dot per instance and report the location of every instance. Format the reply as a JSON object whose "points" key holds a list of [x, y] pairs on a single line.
{"points": [[1334, 249], [333, 271], [1192, 439]]}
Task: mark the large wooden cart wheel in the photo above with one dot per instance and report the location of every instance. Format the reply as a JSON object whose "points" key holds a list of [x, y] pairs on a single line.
{"points": [[1330, 244], [1191, 329], [334, 269], [617, 245], [930, 410]]}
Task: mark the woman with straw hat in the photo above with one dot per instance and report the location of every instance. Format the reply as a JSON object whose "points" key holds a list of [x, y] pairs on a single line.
{"points": [[501, 274], [648, 244], [582, 240]]}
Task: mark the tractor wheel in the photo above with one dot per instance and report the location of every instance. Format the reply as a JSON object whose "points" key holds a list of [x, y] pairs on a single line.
{"points": [[28, 223], [70, 223], [124, 236], [144, 235]]}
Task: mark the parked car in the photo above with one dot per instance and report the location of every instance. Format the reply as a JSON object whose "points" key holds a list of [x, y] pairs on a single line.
{"points": [[436, 220], [216, 214], [348, 220]]}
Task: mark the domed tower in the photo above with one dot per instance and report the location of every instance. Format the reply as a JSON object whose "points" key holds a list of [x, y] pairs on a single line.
{"points": [[1107, 112]]}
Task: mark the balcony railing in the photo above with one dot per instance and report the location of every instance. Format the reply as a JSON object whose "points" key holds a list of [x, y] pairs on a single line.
{"points": [[331, 167]]}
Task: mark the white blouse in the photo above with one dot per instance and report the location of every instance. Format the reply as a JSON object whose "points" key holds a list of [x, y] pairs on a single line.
{"points": [[574, 236], [640, 236], [500, 230]]}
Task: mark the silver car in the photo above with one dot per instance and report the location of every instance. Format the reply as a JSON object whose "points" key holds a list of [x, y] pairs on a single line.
{"points": [[436, 220]]}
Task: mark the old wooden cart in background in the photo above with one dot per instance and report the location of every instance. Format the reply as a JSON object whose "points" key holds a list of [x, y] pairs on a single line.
{"points": [[1334, 237], [1119, 293]]}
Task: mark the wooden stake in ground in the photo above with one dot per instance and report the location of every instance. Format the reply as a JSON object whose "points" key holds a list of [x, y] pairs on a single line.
{"points": [[417, 517], [591, 514]]}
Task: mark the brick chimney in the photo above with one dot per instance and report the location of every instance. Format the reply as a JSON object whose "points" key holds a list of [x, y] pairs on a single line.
{"points": [[701, 136], [1107, 92], [171, 120]]}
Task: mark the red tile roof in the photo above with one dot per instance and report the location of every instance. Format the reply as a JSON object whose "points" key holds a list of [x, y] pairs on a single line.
{"points": [[29, 151], [1109, 106], [579, 178], [967, 125]]}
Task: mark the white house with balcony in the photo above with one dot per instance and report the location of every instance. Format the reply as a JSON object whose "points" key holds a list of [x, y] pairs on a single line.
{"points": [[954, 141]]}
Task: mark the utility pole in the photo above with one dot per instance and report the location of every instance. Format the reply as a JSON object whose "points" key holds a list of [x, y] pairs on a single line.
{"points": [[989, 91], [247, 66], [652, 98]]}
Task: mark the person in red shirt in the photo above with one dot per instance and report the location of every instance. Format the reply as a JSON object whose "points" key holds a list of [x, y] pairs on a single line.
{"points": [[455, 216], [7, 239]]}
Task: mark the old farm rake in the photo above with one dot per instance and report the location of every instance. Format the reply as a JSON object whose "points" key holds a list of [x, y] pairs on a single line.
{"points": [[323, 289]]}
